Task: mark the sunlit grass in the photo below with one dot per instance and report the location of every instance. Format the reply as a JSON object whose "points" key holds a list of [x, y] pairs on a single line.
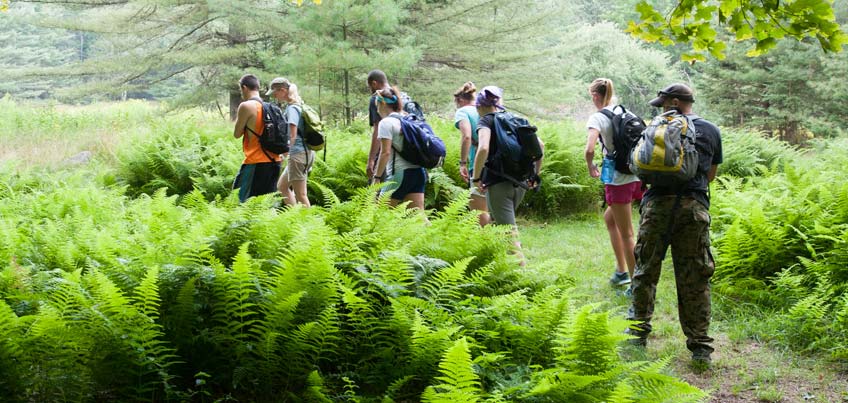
{"points": [[45, 134]]}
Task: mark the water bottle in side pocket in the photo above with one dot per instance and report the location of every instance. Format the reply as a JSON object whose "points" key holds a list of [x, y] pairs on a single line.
{"points": [[607, 170]]}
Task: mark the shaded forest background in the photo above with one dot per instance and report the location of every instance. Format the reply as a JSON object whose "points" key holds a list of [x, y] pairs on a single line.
{"points": [[543, 53]]}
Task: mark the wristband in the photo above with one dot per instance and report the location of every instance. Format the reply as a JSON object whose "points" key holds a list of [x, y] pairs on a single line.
{"points": [[475, 180], [461, 163]]}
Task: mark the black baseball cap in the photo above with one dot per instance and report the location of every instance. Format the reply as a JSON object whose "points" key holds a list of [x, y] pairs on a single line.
{"points": [[679, 91]]}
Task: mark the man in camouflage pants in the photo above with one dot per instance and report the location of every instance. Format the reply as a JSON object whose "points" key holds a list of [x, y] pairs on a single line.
{"points": [[680, 218]]}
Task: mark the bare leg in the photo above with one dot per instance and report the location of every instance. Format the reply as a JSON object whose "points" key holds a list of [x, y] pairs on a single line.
{"points": [[615, 240], [285, 189], [416, 199], [623, 217], [299, 188], [479, 203]]}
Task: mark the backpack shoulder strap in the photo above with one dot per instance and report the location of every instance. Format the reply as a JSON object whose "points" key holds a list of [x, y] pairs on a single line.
{"points": [[608, 113], [620, 106], [261, 105], [691, 122]]}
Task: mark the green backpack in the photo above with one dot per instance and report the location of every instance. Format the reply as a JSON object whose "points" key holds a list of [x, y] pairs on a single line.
{"points": [[313, 129]]}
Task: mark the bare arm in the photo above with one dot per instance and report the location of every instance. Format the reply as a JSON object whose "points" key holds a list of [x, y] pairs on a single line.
{"points": [[373, 150], [465, 146], [589, 153], [292, 133], [383, 160], [539, 162], [712, 173], [241, 120], [483, 137]]}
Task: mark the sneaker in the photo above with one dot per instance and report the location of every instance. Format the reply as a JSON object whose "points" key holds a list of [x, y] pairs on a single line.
{"points": [[620, 278], [629, 292]]}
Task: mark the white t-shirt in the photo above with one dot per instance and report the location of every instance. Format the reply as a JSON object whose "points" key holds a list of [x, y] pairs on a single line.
{"points": [[603, 124], [389, 128]]}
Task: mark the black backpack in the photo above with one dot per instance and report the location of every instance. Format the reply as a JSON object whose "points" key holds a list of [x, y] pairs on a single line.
{"points": [[411, 107], [516, 151], [627, 129], [273, 138]]}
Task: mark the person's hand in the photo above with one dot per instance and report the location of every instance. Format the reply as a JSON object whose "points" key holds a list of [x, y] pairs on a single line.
{"points": [[534, 182], [463, 172], [594, 171], [369, 169], [481, 187]]}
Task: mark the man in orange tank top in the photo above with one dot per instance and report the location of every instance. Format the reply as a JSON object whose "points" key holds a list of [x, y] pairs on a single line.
{"points": [[261, 169]]}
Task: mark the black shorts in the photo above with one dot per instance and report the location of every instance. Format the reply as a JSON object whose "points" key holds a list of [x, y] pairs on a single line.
{"points": [[257, 179], [411, 181]]}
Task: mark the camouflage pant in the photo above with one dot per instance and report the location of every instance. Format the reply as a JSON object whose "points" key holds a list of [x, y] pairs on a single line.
{"points": [[693, 266]]}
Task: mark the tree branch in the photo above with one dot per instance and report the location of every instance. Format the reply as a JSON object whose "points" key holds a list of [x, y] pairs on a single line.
{"points": [[189, 33], [93, 3]]}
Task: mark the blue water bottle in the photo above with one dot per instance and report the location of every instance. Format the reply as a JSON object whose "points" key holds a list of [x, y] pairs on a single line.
{"points": [[607, 170]]}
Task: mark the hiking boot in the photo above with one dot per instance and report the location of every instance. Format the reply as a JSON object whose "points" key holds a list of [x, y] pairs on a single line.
{"points": [[620, 278], [701, 360], [638, 339]]}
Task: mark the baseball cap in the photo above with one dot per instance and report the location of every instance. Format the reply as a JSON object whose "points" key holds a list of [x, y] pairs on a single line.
{"points": [[677, 90], [278, 82]]}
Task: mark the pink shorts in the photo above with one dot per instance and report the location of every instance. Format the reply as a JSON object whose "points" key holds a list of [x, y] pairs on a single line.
{"points": [[623, 194]]}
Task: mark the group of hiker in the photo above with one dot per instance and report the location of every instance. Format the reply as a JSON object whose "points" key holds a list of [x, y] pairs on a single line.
{"points": [[666, 165]]}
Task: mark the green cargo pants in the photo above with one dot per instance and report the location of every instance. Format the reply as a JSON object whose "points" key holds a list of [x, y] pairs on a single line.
{"points": [[693, 266]]}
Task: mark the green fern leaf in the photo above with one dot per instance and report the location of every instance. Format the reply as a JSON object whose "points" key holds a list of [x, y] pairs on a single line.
{"points": [[459, 383]]}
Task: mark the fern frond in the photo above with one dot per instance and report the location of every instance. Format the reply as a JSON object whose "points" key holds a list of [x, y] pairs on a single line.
{"points": [[587, 345], [445, 285], [459, 383], [315, 392]]}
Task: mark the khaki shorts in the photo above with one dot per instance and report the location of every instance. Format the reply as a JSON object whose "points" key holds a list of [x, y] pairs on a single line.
{"points": [[299, 165]]}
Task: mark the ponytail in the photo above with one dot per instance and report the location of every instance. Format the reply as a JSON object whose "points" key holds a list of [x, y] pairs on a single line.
{"points": [[391, 97], [294, 96], [603, 87], [466, 92]]}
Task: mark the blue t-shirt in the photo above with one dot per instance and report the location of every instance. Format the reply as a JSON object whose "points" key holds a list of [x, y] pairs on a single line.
{"points": [[293, 117], [470, 114]]}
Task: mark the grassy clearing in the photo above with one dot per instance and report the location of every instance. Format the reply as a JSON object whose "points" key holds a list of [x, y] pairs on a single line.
{"points": [[744, 369], [46, 134]]}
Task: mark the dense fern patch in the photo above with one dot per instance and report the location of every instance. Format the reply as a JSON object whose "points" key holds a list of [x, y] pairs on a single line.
{"points": [[181, 156], [782, 240], [165, 298]]}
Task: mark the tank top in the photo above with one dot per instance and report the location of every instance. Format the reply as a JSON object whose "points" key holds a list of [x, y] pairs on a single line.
{"points": [[253, 153]]}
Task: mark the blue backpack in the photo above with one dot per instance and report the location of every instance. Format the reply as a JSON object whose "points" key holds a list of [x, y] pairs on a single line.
{"points": [[421, 146]]}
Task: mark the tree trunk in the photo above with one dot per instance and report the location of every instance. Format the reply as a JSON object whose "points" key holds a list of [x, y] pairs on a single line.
{"points": [[236, 38], [347, 116], [235, 101]]}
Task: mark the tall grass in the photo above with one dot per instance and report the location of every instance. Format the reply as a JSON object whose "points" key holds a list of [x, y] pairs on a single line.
{"points": [[46, 134]]}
